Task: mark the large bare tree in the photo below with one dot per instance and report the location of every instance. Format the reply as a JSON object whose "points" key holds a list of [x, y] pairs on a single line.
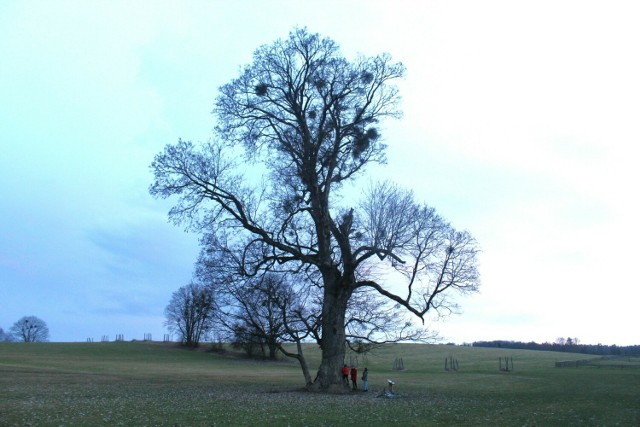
{"points": [[294, 131], [30, 329], [191, 313]]}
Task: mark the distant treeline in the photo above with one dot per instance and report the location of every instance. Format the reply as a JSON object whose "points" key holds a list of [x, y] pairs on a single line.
{"points": [[597, 349]]}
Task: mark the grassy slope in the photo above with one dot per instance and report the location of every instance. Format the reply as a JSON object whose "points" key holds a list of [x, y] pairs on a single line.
{"points": [[152, 384]]}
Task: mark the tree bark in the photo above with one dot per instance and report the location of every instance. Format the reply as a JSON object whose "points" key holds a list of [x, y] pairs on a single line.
{"points": [[333, 338], [273, 348]]}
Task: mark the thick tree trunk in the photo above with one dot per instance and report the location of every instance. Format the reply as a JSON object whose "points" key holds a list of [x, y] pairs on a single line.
{"points": [[273, 348], [333, 340]]}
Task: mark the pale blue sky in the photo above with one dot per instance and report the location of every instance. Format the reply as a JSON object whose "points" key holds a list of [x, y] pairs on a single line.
{"points": [[520, 125]]}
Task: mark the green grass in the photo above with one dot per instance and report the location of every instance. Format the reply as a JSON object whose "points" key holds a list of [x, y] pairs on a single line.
{"points": [[138, 384]]}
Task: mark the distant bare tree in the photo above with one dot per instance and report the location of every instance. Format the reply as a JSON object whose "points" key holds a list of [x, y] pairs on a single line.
{"points": [[5, 337], [571, 341], [30, 329], [190, 313], [258, 316]]}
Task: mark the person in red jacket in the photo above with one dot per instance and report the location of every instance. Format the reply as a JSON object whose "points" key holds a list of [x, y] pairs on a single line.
{"points": [[354, 377], [345, 374]]}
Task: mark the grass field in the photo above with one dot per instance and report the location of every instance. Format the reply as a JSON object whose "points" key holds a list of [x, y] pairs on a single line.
{"points": [[147, 384]]}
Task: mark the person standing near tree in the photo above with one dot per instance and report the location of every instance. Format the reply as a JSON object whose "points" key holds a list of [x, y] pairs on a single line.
{"points": [[354, 377], [345, 374], [365, 379]]}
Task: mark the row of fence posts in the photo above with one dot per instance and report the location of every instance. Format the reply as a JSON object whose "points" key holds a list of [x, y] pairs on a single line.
{"points": [[398, 364], [508, 364], [505, 364], [120, 337], [451, 364]]}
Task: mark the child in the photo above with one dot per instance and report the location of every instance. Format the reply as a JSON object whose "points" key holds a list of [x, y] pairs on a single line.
{"points": [[365, 379]]}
